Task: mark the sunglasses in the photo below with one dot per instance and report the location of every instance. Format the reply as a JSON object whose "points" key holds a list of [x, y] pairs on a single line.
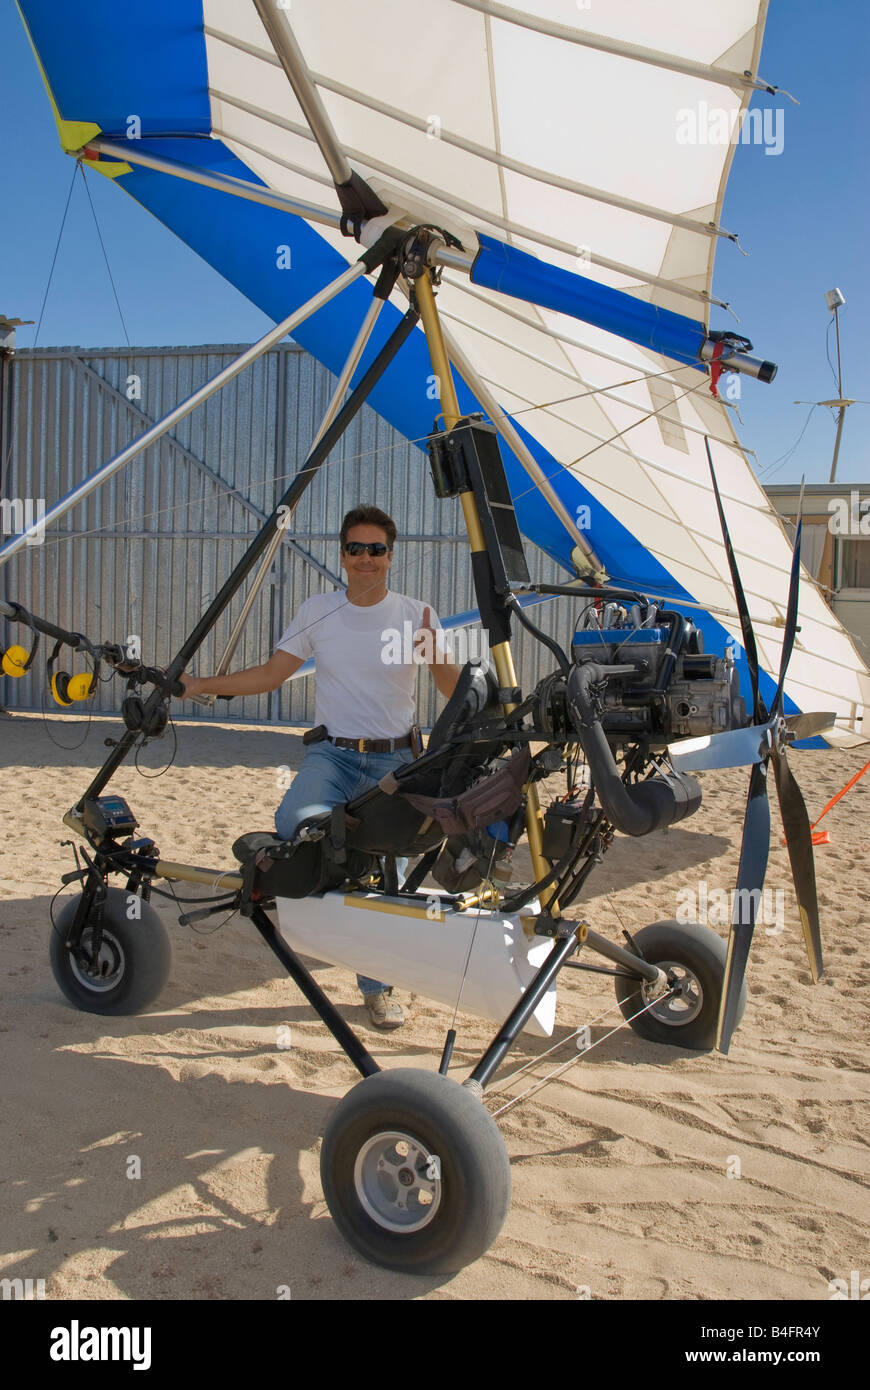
{"points": [[359, 547]]}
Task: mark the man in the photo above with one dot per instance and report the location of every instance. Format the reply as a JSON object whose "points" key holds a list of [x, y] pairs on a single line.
{"points": [[365, 670]]}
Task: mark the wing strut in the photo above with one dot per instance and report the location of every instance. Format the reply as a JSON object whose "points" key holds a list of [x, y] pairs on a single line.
{"points": [[163, 426], [358, 201], [332, 410]]}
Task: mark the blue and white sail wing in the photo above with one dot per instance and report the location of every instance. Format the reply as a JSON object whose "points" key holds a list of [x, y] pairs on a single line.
{"points": [[594, 147]]}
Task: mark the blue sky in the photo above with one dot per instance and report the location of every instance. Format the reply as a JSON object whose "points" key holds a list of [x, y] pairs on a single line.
{"points": [[802, 215]]}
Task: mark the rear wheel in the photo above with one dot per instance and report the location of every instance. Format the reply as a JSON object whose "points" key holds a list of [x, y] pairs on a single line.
{"points": [[415, 1172], [133, 963], [693, 957]]}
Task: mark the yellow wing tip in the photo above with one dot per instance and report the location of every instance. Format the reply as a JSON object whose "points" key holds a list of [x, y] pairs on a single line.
{"points": [[73, 135]]}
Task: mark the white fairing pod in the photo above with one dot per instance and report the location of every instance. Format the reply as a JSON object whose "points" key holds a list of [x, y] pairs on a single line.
{"points": [[387, 940]]}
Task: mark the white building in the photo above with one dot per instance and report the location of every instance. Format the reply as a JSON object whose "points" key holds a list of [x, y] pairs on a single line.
{"points": [[835, 546]]}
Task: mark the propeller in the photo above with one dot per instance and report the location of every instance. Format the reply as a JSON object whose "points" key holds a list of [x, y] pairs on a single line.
{"points": [[765, 741], [742, 747]]}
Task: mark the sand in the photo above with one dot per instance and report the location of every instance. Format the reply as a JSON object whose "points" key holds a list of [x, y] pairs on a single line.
{"points": [[625, 1170]]}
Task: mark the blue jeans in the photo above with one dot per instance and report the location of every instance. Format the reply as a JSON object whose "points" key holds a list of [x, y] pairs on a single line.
{"points": [[329, 776]]}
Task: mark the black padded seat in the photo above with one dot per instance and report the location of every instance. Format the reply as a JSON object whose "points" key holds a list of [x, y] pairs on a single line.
{"points": [[297, 872], [253, 842], [474, 691], [387, 823]]}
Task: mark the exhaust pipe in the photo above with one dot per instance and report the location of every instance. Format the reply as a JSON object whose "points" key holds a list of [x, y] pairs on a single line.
{"points": [[642, 807]]}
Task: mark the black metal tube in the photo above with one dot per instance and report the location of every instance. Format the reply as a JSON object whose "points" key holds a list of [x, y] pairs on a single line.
{"points": [[618, 954], [638, 808], [598, 970], [523, 1010], [341, 1031], [291, 497], [17, 613], [300, 482], [447, 1053]]}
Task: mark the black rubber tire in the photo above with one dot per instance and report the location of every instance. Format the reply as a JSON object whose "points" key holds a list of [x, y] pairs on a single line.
{"points": [[701, 950], [448, 1121], [140, 949]]}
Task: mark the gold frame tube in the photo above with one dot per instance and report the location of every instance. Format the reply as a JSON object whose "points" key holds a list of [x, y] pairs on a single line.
{"points": [[501, 653]]}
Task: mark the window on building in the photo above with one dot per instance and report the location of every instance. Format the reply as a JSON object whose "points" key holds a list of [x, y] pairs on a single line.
{"points": [[854, 562]]}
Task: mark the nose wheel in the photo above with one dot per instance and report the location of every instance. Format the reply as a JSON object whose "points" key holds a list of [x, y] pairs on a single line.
{"points": [[131, 967]]}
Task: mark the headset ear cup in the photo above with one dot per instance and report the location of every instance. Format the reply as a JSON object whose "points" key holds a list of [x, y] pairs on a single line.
{"points": [[14, 661], [60, 687], [81, 687], [158, 721], [133, 713]]}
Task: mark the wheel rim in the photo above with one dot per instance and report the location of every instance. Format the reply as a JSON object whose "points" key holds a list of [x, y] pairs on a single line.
{"points": [[392, 1182], [679, 1009], [111, 963]]}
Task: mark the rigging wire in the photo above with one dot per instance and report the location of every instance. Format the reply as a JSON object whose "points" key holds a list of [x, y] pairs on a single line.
{"points": [[539, 1057], [80, 167], [200, 931], [567, 467], [580, 1057], [54, 258], [488, 882], [771, 468], [380, 450], [598, 390], [225, 897], [127, 475]]}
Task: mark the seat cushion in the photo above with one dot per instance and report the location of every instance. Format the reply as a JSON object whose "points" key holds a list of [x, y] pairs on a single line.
{"points": [[253, 842], [474, 690]]}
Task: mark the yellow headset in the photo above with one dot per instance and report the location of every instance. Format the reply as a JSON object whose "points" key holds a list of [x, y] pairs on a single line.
{"points": [[16, 661], [68, 689]]}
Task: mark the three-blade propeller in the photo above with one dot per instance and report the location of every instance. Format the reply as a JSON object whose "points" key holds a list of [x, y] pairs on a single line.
{"points": [[762, 744]]}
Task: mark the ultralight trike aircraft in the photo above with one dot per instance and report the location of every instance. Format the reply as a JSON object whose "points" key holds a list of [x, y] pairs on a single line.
{"points": [[414, 1169]]}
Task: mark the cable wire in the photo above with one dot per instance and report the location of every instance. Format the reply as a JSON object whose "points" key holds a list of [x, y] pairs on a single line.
{"points": [[769, 471], [105, 256], [54, 258]]}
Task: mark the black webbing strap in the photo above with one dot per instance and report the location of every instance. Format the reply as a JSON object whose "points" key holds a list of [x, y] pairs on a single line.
{"points": [[338, 835]]}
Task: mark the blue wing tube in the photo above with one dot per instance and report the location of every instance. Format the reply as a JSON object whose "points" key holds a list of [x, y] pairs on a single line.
{"points": [[514, 272]]}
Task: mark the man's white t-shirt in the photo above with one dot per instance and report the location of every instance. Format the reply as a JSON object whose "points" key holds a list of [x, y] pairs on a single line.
{"points": [[365, 667]]}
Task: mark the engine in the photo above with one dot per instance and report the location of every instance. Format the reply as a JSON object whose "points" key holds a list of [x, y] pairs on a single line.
{"points": [[671, 688], [639, 676]]}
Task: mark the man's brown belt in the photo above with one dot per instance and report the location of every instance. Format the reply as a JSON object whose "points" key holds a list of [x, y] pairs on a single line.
{"points": [[372, 745]]}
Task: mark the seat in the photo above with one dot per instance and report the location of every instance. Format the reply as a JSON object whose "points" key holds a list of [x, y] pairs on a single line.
{"points": [[388, 823], [273, 867], [381, 822], [475, 689]]}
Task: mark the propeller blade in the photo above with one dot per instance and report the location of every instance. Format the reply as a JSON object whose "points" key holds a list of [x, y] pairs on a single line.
{"points": [[791, 611], [808, 725], [732, 748], [759, 713], [750, 881], [799, 840]]}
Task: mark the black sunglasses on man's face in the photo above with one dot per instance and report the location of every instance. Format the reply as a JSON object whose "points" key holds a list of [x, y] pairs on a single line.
{"points": [[358, 547]]}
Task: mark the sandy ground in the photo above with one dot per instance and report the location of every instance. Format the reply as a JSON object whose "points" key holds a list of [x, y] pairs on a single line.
{"points": [[622, 1169]]}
